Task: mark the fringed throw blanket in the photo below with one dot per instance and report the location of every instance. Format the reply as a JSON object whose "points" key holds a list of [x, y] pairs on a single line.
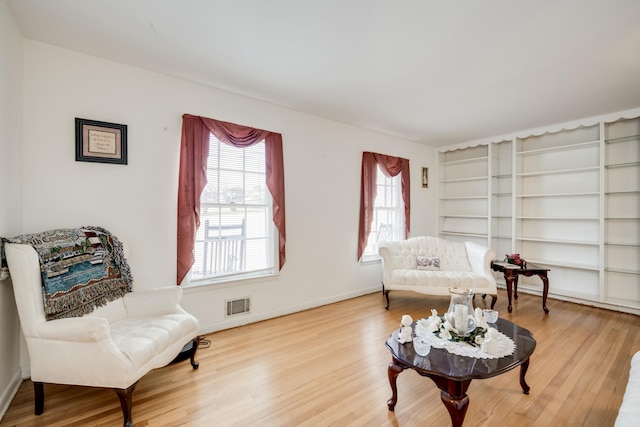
{"points": [[82, 269]]}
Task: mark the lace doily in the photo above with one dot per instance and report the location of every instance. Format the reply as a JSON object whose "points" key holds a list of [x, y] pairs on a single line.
{"points": [[501, 344]]}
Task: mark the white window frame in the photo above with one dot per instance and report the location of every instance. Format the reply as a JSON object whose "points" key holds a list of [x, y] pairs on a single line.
{"points": [[270, 229], [389, 200]]}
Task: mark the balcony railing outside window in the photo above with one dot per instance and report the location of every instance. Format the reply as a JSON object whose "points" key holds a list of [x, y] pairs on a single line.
{"points": [[223, 248]]}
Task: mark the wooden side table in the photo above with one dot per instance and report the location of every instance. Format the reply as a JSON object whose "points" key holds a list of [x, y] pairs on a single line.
{"points": [[511, 273]]}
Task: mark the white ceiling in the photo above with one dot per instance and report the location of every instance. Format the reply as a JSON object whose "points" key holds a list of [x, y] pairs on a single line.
{"points": [[431, 71]]}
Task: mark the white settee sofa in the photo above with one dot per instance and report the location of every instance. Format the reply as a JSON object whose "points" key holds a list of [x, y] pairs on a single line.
{"points": [[113, 347], [629, 412], [431, 265]]}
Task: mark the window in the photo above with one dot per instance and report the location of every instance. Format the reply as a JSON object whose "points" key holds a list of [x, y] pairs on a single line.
{"points": [[235, 236], [234, 188], [373, 166], [388, 209]]}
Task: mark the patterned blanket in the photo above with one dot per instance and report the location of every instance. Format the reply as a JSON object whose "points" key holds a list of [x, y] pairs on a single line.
{"points": [[82, 269]]}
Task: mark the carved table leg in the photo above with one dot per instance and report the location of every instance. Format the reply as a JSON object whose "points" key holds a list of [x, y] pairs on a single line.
{"points": [[454, 396], [509, 279], [545, 292], [457, 407], [515, 286], [523, 372], [393, 372]]}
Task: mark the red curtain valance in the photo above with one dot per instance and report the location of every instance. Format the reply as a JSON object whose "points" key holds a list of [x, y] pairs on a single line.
{"points": [[194, 151], [390, 166]]}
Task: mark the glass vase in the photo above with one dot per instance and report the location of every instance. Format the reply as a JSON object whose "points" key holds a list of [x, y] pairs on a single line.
{"points": [[461, 314]]}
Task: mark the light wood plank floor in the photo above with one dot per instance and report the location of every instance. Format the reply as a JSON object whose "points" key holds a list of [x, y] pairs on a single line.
{"points": [[328, 367]]}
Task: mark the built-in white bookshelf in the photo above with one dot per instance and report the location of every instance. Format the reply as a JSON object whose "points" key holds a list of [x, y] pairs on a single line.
{"points": [[464, 201], [501, 189], [622, 211], [557, 206], [567, 199]]}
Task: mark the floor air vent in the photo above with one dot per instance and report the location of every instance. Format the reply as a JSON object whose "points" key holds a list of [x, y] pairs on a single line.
{"points": [[238, 306]]}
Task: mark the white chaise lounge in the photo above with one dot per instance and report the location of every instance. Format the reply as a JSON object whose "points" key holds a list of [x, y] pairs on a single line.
{"points": [[112, 347]]}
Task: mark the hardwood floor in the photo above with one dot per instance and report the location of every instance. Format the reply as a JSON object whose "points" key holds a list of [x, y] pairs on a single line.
{"points": [[328, 367]]}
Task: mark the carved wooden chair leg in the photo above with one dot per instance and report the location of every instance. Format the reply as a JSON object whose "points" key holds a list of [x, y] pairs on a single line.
{"points": [[126, 402], [38, 389], [192, 356], [386, 294], [494, 298]]}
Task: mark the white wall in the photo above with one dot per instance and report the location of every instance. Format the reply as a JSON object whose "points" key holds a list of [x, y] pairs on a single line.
{"points": [[138, 201], [10, 194]]}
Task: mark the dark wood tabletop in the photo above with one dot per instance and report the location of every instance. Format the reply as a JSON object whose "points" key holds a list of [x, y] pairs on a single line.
{"points": [[453, 374]]}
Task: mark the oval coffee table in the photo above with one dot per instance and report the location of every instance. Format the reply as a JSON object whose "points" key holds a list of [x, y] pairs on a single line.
{"points": [[453, 374]]}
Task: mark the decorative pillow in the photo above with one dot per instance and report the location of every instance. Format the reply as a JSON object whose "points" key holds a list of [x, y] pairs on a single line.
{"points": [[428, 263]]}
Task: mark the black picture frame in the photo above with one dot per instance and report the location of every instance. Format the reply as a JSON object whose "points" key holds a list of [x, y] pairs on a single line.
{"points": [[101, 142]]}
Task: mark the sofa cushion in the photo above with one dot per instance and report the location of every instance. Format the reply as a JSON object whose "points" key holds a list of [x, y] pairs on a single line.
{"points": [[141, 339], [112, 311], [441, 279]]}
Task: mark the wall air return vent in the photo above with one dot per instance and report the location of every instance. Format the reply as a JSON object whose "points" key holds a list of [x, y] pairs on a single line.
{"points": [[238, 306]]}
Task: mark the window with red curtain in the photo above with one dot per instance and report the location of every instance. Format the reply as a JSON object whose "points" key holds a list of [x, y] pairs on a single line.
{"points": [[388, 214], [390, 166], [229, 243]]}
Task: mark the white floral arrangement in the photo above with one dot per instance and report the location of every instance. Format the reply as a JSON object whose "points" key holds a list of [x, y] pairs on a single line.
{"points": [[485, 342], [443, 327]]}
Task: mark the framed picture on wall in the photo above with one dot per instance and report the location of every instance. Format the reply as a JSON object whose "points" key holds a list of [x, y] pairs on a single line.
{"points": [[425, 178], [101, 142]]}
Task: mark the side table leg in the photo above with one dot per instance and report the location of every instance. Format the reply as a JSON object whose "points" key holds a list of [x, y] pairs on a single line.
{"points": [[523, 372], [545, 292], [515, 287], [509, 279], [393, 372]]}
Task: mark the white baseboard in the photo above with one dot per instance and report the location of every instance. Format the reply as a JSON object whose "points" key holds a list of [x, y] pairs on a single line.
{"points": [[243, 319], [577, 300], [9, 393]]}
